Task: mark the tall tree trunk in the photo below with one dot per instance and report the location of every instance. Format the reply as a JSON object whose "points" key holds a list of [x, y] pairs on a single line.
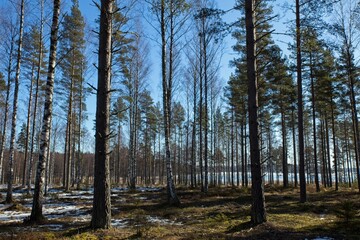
{"points": [[167, 90], [354, 115], [101, 213], [300, 107], [6, 108], [52, 160], [284, 151], [328, 149], [242, 153], [193, 139], [258, 212], [206, 119], [30, 167], [232, 148], [294, 147], [323, 155], [334, 146], [65, 155], [79, 155], [28, 121], [36, 211], [347, 151], [9, 196], [201, 116], [70, 133], [314, 126], [47, 162]]}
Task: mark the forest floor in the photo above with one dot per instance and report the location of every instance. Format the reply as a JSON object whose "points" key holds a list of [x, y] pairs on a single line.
{"points": [[222, 213]]}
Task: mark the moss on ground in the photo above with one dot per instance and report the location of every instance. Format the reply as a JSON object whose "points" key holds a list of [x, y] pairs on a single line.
{"points": [[223, 213]]}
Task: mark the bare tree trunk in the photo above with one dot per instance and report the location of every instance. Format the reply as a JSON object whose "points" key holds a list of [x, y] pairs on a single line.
{"points": [[9, 197], [258, 212], [328, 149], [70, 134], [193, 140], [52, 161], [6, 108], [28, 122], [167, 90], [294, 147], [314, 126], [47, 162], [30, 167], [354, 116], [36, 212], [232, 148], [101, 213], [334, 146], [300, 107], [65, 155], [79, 155], [206, 118], [284, 151]]}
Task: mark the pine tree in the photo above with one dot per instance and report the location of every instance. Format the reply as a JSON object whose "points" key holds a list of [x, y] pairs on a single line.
{"points": [[72, 65], [258, 212], [101, 213]]}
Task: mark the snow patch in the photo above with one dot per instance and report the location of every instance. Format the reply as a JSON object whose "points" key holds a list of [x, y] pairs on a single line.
{"points": [[119, 223], [162, 221]]}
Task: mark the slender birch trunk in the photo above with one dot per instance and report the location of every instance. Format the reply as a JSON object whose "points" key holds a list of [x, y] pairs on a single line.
{"points": [[9, 197], [37, 206]]}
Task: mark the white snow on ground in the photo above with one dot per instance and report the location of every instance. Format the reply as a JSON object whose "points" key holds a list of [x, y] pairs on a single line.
{"points": [[149, 189], [83, 218], [13, 216], [162, 221], [55, 207], [119, 189], [74, 196], [119, 223]]}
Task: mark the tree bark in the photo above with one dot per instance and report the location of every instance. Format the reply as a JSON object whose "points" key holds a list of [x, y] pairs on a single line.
{"points": [[7, 99], [258, 212], [36, 212], [38, 73], [28, 121], [314, 126], [284, 151], [167, 90], [9, 197], [101, 213], [300, 107]]}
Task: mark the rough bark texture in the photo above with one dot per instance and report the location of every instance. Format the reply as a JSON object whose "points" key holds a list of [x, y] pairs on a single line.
{"points": [[101, 212], [258, 213], [9, 198], [36, 212], [300, 108]]}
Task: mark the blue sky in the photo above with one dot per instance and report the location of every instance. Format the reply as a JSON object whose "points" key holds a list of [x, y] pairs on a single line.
{"points": [[90, 13]]}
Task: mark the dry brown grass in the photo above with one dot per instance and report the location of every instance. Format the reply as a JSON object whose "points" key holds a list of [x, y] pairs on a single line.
{"points": [[223, 213]]}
